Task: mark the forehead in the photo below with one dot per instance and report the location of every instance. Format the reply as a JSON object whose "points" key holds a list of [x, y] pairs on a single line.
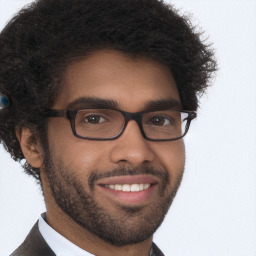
{"points": [[112, 75]]}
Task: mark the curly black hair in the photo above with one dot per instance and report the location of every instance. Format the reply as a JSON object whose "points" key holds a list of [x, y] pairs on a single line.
{"points": [[43, 38]]}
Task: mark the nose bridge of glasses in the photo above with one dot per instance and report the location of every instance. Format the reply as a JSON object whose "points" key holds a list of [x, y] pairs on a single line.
{"points": [[137, 117]]}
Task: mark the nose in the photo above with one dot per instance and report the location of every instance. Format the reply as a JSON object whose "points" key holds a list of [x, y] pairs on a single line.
{"points": [[131, 147]]}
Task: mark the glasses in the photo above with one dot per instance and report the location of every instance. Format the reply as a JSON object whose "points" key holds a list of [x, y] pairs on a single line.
{"points": [[109, 124]]}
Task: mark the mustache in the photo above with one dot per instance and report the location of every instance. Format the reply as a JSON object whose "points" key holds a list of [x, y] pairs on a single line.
{"points": [[162, 174]]}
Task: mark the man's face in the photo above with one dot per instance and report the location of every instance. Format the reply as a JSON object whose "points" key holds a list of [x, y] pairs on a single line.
{"points": [[85, 175]]}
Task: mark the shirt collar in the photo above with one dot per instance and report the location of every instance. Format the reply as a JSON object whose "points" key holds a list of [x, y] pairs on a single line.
{"points": [[59, 244]]}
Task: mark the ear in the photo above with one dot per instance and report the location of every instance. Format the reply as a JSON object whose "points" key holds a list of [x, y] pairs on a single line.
{"points": [[30, 147]]}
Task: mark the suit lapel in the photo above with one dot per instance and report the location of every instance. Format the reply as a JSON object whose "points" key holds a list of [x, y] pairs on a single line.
{"points": [[156, 251], [34, 244]]}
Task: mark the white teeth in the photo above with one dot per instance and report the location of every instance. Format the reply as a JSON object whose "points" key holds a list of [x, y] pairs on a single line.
{"points": [[126, 188], [118, 187], [129, 187], [146, 186], [135, 187]]}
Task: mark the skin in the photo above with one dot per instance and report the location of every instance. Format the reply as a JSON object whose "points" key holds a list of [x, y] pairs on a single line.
{"points": [[112, 75]]}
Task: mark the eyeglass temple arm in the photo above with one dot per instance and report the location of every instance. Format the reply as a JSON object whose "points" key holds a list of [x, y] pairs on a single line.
{"points": [[55, 113], [191, 115]]}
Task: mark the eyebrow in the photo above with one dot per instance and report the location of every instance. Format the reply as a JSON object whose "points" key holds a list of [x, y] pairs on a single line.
{"points": [[162, 104], [94, 102]]}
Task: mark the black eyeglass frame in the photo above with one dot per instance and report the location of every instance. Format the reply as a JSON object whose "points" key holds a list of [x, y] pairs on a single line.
{"points": [[71, 115]]}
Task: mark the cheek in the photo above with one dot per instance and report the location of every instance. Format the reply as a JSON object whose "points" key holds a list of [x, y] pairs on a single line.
{"points": [[79, 154], [87, 155], [172, 157]]}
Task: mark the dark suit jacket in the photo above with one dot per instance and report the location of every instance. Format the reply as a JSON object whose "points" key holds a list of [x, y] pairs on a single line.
{"points": [[35, 245]]}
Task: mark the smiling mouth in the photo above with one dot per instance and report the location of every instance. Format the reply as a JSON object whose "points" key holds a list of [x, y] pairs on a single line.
{"points": [[130, 190], [128, 187]]}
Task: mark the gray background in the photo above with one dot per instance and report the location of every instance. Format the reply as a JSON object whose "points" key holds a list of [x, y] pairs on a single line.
{"points": [[214, 213]]}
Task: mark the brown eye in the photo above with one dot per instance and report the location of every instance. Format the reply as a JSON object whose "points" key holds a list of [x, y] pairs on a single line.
{"points": [[94, 119], [160, 121]]}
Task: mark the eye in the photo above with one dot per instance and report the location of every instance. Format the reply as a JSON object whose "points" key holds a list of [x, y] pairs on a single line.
{"points": [[160, 121], [94, 119]]}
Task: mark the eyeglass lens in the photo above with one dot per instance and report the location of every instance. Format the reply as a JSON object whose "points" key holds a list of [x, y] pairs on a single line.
{"points": [[108, 123]]}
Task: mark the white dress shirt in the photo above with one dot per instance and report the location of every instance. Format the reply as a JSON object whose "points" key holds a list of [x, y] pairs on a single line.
{"points": [[59, 244]]}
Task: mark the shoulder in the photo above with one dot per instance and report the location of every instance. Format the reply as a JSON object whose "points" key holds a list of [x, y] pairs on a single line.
{"points": [[34, 244]]}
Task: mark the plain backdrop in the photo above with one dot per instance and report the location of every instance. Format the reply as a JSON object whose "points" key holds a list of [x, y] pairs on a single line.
{"points": [[214, 213]]}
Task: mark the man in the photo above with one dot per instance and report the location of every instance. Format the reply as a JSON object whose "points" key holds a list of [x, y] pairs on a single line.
{"points": [[96, 96]]}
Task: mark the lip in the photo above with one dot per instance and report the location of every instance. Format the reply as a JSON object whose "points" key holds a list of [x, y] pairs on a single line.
{"points": [[137, 198]]}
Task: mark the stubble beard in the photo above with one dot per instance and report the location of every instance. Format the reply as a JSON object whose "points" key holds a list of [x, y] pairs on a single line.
{"points": [[129, 225]]}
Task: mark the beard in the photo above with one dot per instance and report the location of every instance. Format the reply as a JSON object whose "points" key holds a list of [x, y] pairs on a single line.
{"points": [[125, 224]]}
